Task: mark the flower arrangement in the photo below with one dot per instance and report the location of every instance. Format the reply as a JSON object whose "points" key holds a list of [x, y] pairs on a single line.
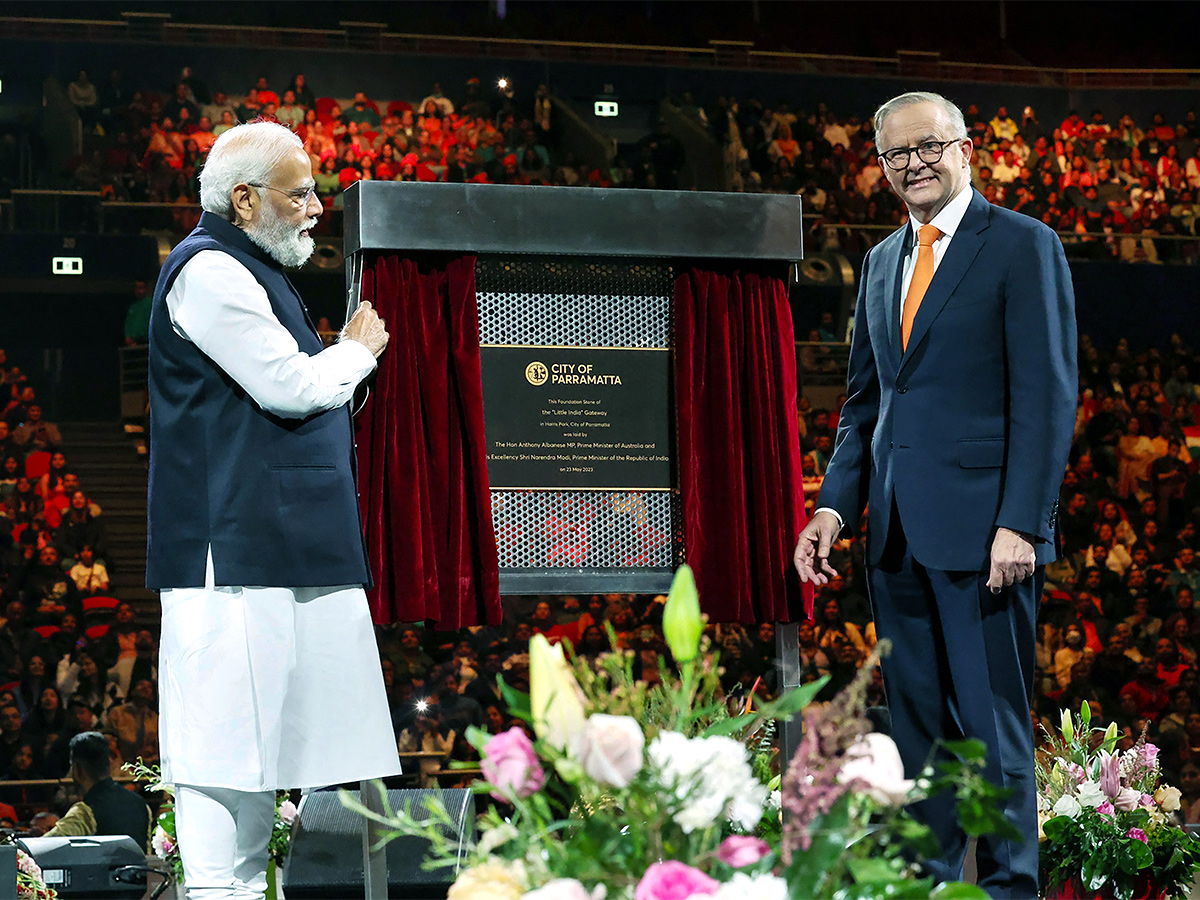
{"points": [[30, 883], [1105, 822], [165, 844], [625, 791]]}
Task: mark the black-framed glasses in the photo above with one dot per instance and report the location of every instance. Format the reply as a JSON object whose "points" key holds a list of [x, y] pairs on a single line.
{"points": [[927, 151], [300, 196]]}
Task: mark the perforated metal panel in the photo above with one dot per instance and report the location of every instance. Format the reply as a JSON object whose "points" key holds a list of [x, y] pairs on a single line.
{"points": [[572, 302], [565, 302], [586, 529]]}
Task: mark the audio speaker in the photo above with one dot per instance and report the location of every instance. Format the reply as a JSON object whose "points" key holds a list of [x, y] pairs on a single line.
{"points": [[100, 866], [325, 858]]}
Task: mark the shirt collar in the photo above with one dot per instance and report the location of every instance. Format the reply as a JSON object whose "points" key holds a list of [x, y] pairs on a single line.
{"points": [[951, 216]]}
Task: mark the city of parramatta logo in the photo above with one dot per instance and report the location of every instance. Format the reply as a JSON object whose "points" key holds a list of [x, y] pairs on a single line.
{"points": [[536, 373]]}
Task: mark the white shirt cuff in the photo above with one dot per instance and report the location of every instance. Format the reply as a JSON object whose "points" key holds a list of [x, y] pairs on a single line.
{"points": [[833, 512]]}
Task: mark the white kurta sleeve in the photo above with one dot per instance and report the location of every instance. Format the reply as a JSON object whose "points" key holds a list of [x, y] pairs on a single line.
{"points": [[218, 305]]}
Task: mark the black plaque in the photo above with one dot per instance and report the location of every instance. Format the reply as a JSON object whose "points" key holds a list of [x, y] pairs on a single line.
{"points": [[577, 418]]}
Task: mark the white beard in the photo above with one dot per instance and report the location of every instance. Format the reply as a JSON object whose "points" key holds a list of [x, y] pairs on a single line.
{"points": [[282, 240]]}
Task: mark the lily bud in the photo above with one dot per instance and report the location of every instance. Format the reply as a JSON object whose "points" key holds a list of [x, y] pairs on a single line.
{"points": [[682, 623], [1110, 733], [1068, 728], [555, 698]]}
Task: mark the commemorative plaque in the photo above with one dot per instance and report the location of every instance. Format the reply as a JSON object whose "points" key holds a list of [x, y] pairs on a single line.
{"points": [[577, 418]]}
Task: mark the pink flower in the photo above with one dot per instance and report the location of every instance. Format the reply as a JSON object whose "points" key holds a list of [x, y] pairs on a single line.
{"points": [[1106, 809], [611, 750], [1146, 800], [511, 766], [1149, 755], [1075, 770], [1137, 834], [672, 880], [740, 851], [287, 812], [1110, 774], [1128, 799]]}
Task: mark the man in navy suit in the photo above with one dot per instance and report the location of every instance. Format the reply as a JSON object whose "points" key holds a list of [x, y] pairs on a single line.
{"points": [[954, 436]]}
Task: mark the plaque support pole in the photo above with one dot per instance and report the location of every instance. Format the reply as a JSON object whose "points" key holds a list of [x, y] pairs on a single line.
{"points": [[375, 871], [787, 653]]}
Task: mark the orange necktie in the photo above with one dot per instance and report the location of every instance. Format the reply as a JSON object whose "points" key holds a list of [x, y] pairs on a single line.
{"points": [[922, 275]]}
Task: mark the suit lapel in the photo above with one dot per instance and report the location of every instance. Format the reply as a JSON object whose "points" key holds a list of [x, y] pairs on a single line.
{"points": [[895, 278], [964, 247]]}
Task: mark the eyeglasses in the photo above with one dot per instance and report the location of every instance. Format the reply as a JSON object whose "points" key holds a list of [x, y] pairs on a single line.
{"points": [[300, 196], [927, 151]]}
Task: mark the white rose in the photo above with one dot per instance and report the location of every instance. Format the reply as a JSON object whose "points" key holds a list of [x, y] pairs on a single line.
{"points": [[758, 887], [874, 761], [1091, 794], [1128, 799], [1067, 806], [611, 749], [1167, 798]]}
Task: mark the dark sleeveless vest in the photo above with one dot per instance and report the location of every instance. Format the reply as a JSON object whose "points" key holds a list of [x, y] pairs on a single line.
{"points": [[274, 497]]}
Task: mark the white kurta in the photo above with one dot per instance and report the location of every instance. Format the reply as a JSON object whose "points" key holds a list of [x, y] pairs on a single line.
{"points": [[268, 687]]}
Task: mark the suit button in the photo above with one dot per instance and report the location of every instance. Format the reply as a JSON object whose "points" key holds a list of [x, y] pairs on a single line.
{"points": [[902, 390]]}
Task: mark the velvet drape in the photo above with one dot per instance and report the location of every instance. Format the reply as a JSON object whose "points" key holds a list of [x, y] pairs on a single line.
{"points": [[739, 447], [422, 456]]}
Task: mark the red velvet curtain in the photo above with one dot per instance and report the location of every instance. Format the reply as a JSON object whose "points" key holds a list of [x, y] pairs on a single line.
{"points": [[739, 443], [422, 457]]}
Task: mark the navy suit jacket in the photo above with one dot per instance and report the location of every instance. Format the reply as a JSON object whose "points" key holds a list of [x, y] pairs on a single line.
{"points": [[969, 428]]}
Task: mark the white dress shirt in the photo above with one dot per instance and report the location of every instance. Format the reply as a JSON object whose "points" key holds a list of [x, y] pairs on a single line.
{"points": [[219, 306], [947, 222]]}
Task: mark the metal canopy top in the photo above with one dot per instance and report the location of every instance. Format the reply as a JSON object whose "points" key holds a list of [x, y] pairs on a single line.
{"points": [[505, 218]]}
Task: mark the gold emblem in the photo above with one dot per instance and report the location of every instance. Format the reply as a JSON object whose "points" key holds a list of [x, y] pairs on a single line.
{"points": [[536, 373]]}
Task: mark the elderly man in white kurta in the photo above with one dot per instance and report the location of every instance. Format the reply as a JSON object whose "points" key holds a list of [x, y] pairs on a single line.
{"points": [[269, 672]]}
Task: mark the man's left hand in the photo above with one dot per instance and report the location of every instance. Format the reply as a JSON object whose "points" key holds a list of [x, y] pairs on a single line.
{"points": [[1013, 559]]}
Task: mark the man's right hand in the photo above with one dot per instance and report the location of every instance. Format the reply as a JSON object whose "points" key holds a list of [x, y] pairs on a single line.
{"points": [[812, 550], [366, 327]]}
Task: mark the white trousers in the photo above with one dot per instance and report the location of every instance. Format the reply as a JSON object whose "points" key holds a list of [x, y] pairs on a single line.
{"points": [[223, 837], [265, 688]]}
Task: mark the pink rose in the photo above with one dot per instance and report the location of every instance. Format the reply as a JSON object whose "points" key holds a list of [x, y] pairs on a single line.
{"points": [[1149, 755], [1106, 809], [287, 812], [672, 880], [1075, 770], [511, 766], [1137, 834], [740, 851], [1128, 799]]}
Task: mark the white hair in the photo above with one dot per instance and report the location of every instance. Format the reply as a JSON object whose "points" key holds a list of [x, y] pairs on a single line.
{"points": [[245, 154], [954, 116]]}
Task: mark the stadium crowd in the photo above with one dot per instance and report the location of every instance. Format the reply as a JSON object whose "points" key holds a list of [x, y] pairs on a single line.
{"points": [[1119, 626], [1114, 187]]}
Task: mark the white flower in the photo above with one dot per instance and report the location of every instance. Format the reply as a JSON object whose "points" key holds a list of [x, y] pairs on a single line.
{"points": [[611, 749], [874, 760], [161, 843], [1090, 794], [494, 837], [1067, 806], [711, 777], [751, 887]]}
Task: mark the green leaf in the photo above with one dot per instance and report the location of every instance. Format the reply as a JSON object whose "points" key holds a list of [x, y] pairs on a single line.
{"points": [[518, 702], [729, 726], [871, 869], [794, 700], [1057, 828], [957, 890], [1143, 855], [967, 750]]}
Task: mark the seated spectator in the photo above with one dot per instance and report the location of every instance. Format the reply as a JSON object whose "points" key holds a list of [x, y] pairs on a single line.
{"points": [[427, 736], [250, 108], [83, 684], [362, 112], [16, 410], [82, 94], [10, 473], [47, 717], [48, 591], [120, 640], [302, 92], [12, 736], [215, 110], [35, 433], [289, 113], [105, 807], [89, 575], [81, 529], [135, 724]]}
